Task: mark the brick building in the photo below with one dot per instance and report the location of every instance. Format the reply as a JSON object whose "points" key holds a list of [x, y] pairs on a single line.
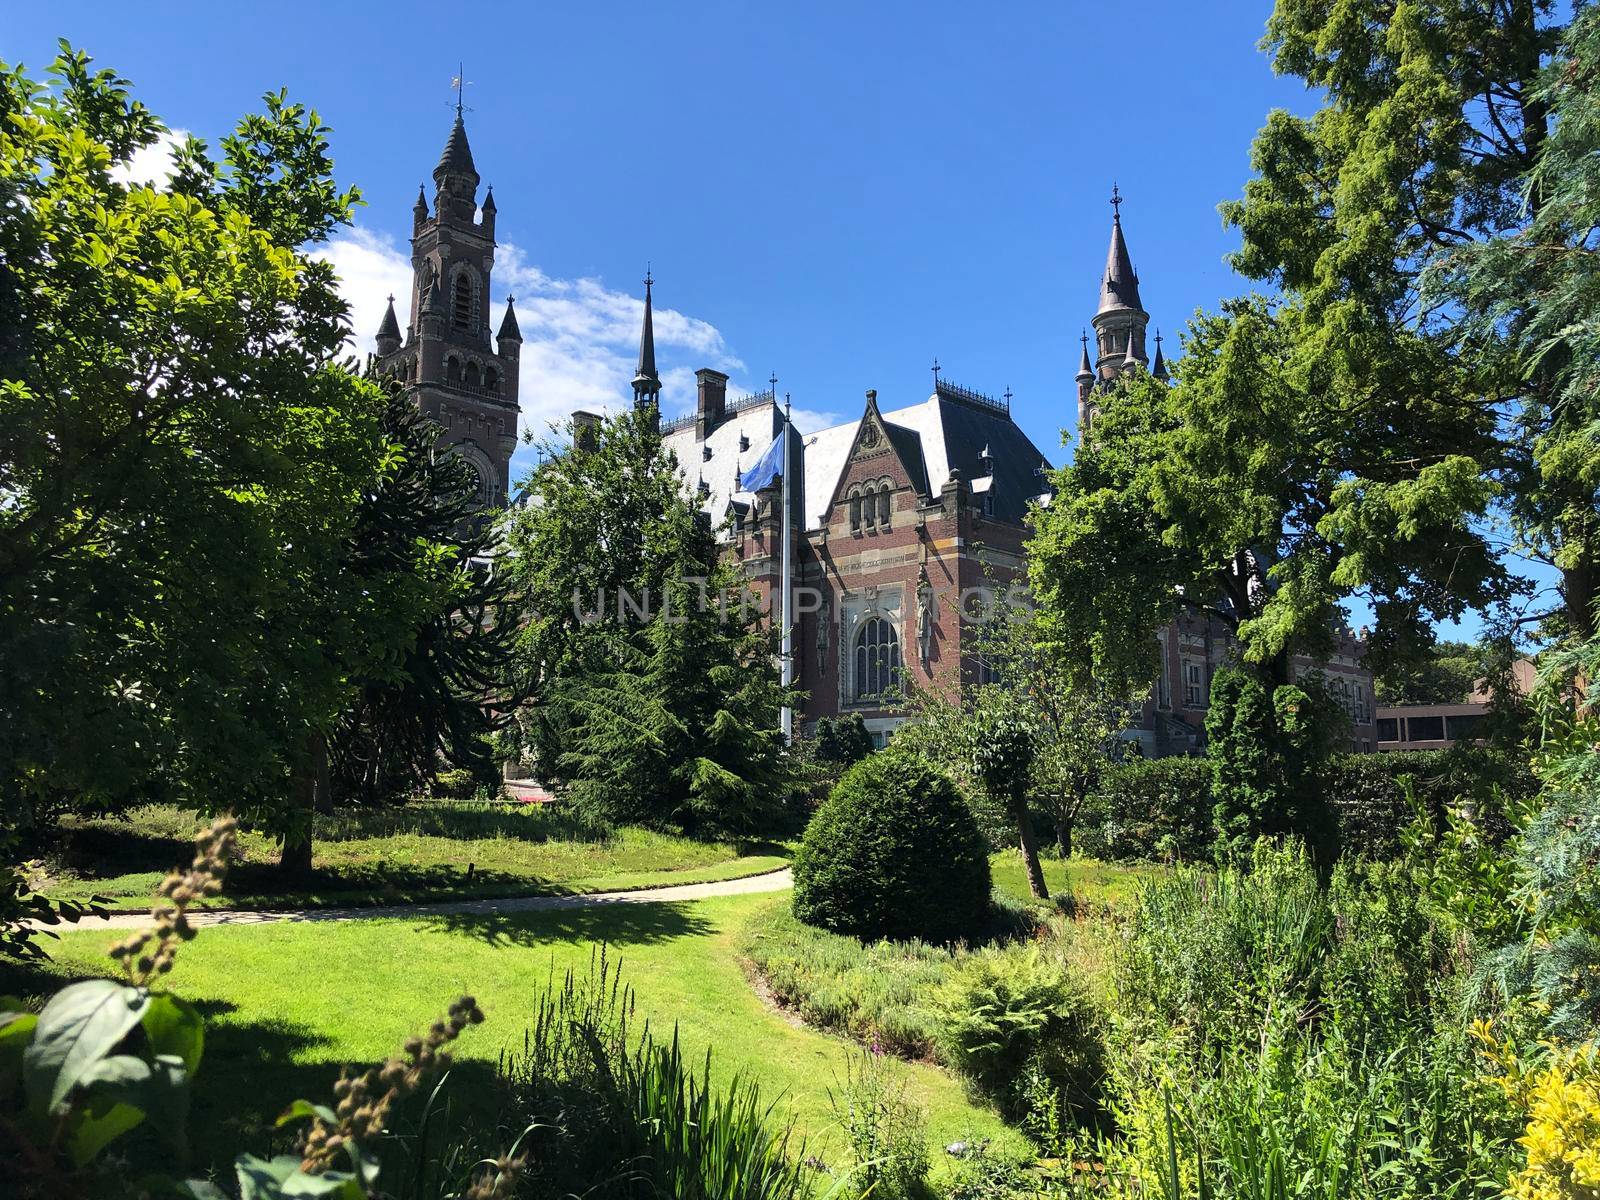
{"points": [[898, 518], [904, 516]]}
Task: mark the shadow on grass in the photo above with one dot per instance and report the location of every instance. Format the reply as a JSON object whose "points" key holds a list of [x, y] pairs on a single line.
{"points": [[616, 922]]}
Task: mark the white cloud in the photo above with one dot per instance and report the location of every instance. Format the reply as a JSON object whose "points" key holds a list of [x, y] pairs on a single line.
{"points": [[580, 338], [152, 163]]}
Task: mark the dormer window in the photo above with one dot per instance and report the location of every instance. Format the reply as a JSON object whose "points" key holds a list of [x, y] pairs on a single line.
{"points": [[744, 442]]}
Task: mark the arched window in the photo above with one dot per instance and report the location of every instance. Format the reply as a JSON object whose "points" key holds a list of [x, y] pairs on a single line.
{"points": [[452, 369], [485, 488], [869, 507], [885, 502], [461, 312], [855, 512], [471, 377], [877, 659], [491, 379]]}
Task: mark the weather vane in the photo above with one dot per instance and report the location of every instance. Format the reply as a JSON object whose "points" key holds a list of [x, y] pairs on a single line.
{"points": [[460, 82], [1116, 200], [936, 372]]}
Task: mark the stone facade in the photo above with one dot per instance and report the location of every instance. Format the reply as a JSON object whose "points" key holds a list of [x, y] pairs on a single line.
{"points": [[444, 355]]}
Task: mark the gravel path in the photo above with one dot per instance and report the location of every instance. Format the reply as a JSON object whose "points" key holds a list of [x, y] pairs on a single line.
{"points": [[772, 881]]}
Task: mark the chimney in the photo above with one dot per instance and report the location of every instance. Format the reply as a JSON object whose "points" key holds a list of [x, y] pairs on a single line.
{"points": [[712, 402], [585, 431]]}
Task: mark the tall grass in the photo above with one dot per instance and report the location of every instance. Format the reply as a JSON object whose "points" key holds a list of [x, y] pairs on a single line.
{"points": [[615, 1112], [1308, 1039]]}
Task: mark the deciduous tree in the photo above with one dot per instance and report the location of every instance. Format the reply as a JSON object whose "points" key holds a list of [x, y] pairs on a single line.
{"points": [[181, 454]]}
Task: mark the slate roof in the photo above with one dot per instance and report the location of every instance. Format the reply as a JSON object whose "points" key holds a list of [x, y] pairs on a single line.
{"points": [[1120, 287], [932, 437], [457, 156], [390, 327]]}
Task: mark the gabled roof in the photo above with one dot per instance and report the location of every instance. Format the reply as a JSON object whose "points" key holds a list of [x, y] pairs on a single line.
{"points": [[931, 438]]}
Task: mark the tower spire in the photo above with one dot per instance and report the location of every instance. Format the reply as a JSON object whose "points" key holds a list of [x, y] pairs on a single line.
{"points": [[1085, 370], [1120, 320], [388, 339], [1159, 367], [1120, 287], [646, 383]]}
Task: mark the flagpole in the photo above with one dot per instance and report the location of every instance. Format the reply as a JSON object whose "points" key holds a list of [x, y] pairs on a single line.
{"points": [[788, 625]]}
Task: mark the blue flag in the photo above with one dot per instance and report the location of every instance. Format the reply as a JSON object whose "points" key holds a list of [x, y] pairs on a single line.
{"points": [[768, 467]]}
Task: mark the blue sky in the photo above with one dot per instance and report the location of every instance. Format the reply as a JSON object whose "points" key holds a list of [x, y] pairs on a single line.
{"points": [[835, 193]]}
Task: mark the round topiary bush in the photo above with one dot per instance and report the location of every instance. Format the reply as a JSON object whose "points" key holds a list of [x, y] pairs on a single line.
{"points": [[894, 852]]}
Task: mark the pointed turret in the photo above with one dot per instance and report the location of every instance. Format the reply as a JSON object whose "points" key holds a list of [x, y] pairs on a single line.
{"points": [[510, 331], [1159, 367], [1120, 321], [1120, 287], [1131, 358], [646, 383], [1085, 374], [419, 210], [456, 160], [388, 338], [488, 213]]}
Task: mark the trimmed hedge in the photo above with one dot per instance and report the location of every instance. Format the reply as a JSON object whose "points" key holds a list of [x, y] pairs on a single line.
{"points": [[1368, 791], [1161, 809], [1149, 809], [894, 852]]}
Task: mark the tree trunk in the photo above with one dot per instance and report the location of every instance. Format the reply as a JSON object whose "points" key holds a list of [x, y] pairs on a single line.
{"points": [[309, 789], [1064, 835], [1030, 851]]}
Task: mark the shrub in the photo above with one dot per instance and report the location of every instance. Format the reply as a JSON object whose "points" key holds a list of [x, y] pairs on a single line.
{"points": [[1010, 1016], [455, 783], [1150, 809], [872, 992], [1368, 792], [1269, 750], [843, 740], [895, 853]]}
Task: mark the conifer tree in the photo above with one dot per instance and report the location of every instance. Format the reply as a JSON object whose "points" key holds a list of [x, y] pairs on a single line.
{"points": [[655, 695], [442, 701]]}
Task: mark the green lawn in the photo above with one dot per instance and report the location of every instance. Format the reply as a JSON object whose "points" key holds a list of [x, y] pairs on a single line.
{"points": [[288, 1002], [414, 853], [1088, 882]]}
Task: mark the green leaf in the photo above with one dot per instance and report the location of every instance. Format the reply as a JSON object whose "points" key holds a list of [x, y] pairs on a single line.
{"points": [[81, 1025], [16, 1032], [174, 1027], [300, 1110], [119, 1093], [281, 1177], [198, 1189]]}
